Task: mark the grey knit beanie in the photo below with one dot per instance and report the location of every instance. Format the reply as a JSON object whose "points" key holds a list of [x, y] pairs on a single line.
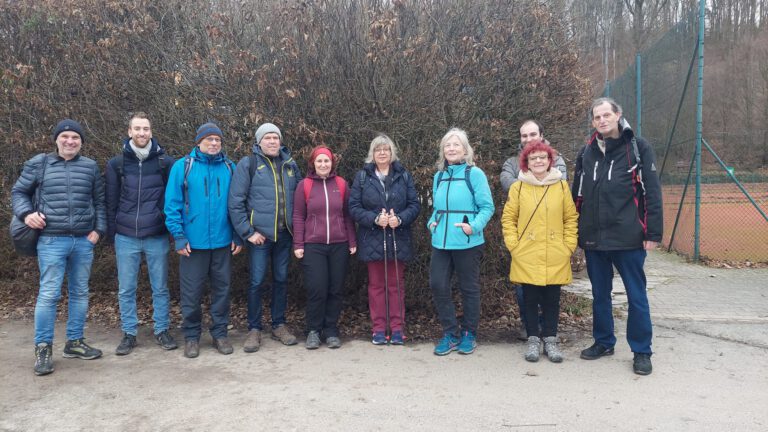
{"points": [[265, 129]]}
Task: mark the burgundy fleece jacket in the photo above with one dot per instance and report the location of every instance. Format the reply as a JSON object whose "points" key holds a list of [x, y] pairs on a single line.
{"points": [[323, 217]]}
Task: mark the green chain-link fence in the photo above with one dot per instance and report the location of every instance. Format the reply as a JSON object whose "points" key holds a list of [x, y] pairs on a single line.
{"points": [[734, 192]]}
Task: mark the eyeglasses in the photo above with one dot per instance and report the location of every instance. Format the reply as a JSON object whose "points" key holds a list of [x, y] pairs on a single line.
{"points": [[382, 150], [535, 158]]}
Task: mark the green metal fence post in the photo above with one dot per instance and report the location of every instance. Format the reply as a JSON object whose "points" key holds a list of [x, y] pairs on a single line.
{"points": [[699, 127]]}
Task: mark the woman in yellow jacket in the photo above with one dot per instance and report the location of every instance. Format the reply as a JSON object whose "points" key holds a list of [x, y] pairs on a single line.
{"points": [[539, 224]]}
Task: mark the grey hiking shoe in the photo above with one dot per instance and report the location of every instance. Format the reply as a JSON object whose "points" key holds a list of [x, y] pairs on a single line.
{"points": [[552, 350], [165, 340], [77, 348], [313, 340], [252, 341], [191, 348], [333, 342], [126, 344], [533, 349], [223, 346], [283, 335], [43, 359]]}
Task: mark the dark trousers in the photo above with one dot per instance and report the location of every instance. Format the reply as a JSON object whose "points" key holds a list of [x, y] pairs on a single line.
{"points": [[325, 266], [548, 297], [629, 263], [213, 265], [466, 264]]}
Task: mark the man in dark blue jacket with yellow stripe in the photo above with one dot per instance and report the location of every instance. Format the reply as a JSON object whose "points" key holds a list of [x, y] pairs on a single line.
{"points": [[618, 194]]}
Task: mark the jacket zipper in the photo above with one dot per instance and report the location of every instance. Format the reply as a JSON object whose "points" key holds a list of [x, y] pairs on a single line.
{"points": [[327, 215], [138, 202], [277, 197], [285, 199], [447, 194]]}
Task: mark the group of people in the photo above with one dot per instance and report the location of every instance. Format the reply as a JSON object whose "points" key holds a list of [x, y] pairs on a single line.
{"points": [[213, 207]]}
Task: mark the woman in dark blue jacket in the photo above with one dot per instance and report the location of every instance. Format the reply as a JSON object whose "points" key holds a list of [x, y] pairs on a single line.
{"points": [[383, 202]]}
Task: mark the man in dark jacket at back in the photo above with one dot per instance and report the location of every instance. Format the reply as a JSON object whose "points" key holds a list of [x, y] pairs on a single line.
{"points": [[618, 194], [72, 219], [135, 221], [260, 208]]}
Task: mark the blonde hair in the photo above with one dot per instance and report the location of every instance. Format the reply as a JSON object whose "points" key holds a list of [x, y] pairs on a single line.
{"points": [[469, 154], [379, 141]]}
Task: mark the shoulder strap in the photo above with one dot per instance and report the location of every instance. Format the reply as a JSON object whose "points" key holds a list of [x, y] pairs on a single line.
{"points": [[39, 189], [252, 162], [120, 167], [532, 214], [342, 185], [188, 161], [469, 183], [307, 189]]}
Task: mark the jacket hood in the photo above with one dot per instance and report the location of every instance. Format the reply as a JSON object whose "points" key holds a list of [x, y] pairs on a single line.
{"points": [[202, 157], [553, 176], [625, 131]]}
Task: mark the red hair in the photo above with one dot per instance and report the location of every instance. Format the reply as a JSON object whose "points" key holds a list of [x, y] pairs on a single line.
{"points": [[317, 151], [534, 147]]}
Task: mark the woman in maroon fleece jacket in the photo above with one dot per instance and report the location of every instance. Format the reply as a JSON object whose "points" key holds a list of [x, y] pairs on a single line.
{"points": [[323, 238]]}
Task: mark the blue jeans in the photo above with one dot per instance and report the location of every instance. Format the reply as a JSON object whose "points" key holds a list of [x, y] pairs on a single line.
{"points": [[128, 250], [629, 263], [259, 256], [56, 257]]}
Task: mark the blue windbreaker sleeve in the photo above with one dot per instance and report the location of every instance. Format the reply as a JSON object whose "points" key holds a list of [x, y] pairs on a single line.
{"points": [[174, 205], [483, 200]]}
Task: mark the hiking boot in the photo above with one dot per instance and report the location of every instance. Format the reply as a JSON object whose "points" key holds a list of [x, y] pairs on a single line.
{"points": [[165, 340], [596, 351], [43, 359], [191, 348], [313, 340], [333, 342], [447, 344], [126, 345], [468, 343], [283, 335], [397, 338], [379, 338], [552, 350], [521, 334], [223, 346], [252, 341], [533, 348], [642, 364], [78, 348]]}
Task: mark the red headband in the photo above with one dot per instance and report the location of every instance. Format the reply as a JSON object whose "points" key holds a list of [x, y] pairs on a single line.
{"points": [[322, 150]]}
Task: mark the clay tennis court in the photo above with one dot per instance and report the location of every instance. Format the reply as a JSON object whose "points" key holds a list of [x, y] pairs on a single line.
{"points": [[731, 228]]}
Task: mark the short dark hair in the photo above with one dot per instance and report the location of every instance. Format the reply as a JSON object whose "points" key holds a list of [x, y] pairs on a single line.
{"points": [[616, 108], [138, 115], [538, 125]]}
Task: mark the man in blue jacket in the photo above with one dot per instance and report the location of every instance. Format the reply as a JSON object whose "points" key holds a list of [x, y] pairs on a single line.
{"points": [[261, 211], [135, 221], [196, 216], [71, 218], [618, 195]]}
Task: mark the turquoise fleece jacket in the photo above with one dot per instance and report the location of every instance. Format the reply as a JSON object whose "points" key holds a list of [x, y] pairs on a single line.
{"points": [[452, 200]]}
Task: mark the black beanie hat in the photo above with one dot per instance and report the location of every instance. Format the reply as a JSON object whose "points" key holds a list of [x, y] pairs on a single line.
{"points": [[68, 125]]}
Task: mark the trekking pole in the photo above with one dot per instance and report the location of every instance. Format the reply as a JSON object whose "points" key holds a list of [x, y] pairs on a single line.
{"points": [[386, 285], [397, 280]]}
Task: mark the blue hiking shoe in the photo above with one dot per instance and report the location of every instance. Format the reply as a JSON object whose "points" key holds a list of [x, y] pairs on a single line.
{"points": [[468, 343], [397, 338], [447, 344], [379, 338]]}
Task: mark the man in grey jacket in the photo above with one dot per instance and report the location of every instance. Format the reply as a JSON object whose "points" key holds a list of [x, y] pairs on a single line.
{"points": [[72, 218], [261, 210], [530, 130]]}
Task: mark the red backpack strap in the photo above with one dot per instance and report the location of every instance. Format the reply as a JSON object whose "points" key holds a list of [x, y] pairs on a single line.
{"points": [[342, 185], [307, 189]]}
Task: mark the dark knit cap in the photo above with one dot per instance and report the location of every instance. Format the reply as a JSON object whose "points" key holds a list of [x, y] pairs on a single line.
{"points": [[68, 125], [207, 129]]}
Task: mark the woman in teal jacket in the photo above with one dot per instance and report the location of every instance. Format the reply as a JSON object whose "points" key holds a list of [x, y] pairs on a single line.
{"points": [[462, 207]]}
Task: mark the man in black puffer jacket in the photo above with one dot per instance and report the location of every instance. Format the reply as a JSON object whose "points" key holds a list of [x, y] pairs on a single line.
{"points": [[72, 219], [135, 221], [618, 195]]}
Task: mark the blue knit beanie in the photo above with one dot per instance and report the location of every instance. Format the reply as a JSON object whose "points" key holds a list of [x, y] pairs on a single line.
{"points": [[68, 125], [207, 129]]}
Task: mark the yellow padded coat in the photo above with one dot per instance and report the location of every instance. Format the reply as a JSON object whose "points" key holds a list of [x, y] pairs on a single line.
{"points": [[542, 255]]}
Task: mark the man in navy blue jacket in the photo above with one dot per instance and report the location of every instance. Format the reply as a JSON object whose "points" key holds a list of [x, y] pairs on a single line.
{"points": [[135, 221], [618, 194]]}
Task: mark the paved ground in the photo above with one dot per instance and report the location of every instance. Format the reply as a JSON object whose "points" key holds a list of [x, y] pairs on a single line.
{"points": [[710, 375]]}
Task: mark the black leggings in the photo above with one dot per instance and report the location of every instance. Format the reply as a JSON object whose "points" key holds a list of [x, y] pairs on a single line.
{"points": [[549, 299]]}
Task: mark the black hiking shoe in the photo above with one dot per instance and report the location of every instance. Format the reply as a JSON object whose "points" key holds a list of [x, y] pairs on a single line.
{"points": [[165, 340], [126, 345], [77, 348], [596, 351], [43, 359], [642, 364]]}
